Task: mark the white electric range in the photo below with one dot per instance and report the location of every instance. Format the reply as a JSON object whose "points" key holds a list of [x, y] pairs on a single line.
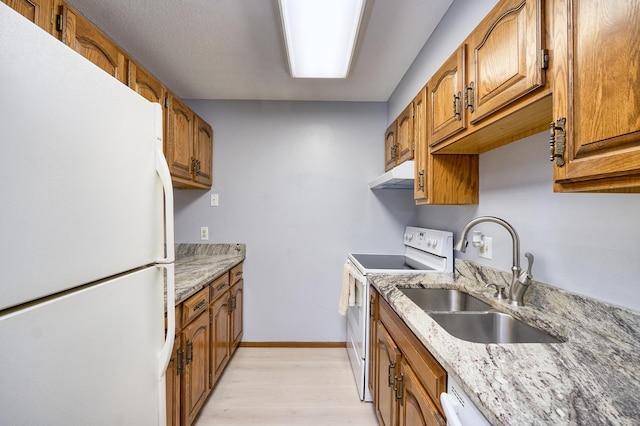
{"points": [[426, 250]]}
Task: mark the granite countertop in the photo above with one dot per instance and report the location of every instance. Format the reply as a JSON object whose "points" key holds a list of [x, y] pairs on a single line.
{"points": [[198, 264], [592, 378]]}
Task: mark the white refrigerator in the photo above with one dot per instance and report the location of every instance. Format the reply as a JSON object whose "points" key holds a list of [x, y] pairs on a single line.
{"points": [[86, 240]]}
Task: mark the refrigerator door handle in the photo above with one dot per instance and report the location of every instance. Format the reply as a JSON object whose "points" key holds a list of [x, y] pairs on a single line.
{"points": [[165, 177], [167, 349]]}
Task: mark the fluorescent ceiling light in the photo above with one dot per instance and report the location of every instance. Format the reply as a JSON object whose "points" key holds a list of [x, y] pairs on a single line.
{"points": [[320, 36]]}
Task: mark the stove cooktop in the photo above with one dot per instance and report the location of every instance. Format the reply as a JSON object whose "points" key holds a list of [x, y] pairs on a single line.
{"points": [[388, 262]]}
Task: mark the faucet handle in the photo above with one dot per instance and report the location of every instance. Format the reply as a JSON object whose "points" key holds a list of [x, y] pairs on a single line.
{"points": [[499, 290], [526, 277]]}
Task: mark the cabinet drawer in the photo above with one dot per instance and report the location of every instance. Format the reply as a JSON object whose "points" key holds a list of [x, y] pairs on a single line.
{"points": [[194, 305], [236, 273], [219, 286]]}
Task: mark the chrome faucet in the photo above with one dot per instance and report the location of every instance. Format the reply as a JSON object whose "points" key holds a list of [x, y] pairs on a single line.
{"points": [[520, 281]]}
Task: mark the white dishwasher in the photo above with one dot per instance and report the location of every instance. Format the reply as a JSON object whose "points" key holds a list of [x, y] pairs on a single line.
{"points": [[458, 408]]}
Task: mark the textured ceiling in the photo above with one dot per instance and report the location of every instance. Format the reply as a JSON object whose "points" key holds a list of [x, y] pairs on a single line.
{"points": [[233, 49]]}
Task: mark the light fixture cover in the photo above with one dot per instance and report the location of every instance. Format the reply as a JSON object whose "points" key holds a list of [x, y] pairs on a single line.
{"points": [[320, 36]]}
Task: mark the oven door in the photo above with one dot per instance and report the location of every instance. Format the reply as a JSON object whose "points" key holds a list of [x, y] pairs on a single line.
{"points": [[357, 332]]}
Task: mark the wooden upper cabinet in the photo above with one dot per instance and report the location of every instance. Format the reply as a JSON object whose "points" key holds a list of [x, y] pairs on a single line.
{"points": [[505, 57], [446, 114], [79, 34], [390, 147], [421, 149], [40, 12], [405, 141], [179, 136], [203, 151], [145, 84], [596, 79]]}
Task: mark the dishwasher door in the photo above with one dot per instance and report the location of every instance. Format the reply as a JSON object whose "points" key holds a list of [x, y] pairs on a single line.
{"points": [[458, 408]]}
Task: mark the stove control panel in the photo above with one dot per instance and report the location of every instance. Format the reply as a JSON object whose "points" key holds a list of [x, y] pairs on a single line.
{"points": [[431, 241]]}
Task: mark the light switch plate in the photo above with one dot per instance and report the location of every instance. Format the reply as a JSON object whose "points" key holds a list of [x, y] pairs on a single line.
{"points": [[214, 200]]}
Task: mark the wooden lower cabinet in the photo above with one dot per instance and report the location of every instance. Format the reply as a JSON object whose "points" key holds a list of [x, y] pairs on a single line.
{"points": [[388, 359], [195, 377], [208, 330], [220, 352], [408, 380]]}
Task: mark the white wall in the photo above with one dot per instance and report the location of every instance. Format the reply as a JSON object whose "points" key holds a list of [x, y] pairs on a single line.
{"points": [[292, 179], [585, 243]]}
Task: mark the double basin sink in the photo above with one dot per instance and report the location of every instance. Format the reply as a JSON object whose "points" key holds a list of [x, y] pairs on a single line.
{"points": [[468, 318]]}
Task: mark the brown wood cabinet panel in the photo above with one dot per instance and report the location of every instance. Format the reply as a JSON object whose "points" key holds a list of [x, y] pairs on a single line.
{"points": [[416, 407], [145, 84], [195, 378], [446, 113], [388, 361], [421, 147], [195, 305], [596, 78], [179, 136], [236, 273], [203, 152], [405, 135], [390, 147], [40, 12], [219, 286], [237, 293], [79, 34], [220, 350], [505, 58]]}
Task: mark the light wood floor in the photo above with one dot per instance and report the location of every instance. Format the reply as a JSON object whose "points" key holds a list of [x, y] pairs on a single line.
{"points": [[287, 386]]}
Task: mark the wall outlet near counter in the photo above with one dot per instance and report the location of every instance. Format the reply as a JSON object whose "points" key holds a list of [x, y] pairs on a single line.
{"points": [[204, 233], [486, 251], [214, 200]]}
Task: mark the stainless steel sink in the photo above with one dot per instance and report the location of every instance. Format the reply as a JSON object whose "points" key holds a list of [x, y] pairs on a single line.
{"points": [[444, 300], [490, 327]]}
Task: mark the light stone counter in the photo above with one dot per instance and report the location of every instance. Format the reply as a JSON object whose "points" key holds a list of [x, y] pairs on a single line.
{"points": [[593, 378], [199, 264]]}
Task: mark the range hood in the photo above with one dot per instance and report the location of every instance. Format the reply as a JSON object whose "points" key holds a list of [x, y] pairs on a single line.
{"points": [[400, 177]]}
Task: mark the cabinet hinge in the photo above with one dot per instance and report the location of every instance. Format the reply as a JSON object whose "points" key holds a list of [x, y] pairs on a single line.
{"points": [[399, 388], [189, 354], [166, 102], [59, 22], [545, 59], [557, 141], [210, 379]]}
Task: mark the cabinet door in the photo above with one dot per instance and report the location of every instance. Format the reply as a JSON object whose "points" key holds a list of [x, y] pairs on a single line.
{"points": [[40, 12], [203, 151], [421, 148], [505, 59], [446, 115], [405, 134], [179, 138], [145, 84], [174, 370], [390, 147], [195, 378], [236, 313], [219, 336], [79, 34], [596, 80], [388, 361], [416, 407]]}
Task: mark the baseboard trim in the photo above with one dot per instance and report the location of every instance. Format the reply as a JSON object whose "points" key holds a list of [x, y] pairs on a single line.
{"points": [[293, 344]]}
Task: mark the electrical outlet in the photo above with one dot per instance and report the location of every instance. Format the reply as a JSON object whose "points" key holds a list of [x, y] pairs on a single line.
{"points": [[486, 251], [204, 233], [214, 200]]}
